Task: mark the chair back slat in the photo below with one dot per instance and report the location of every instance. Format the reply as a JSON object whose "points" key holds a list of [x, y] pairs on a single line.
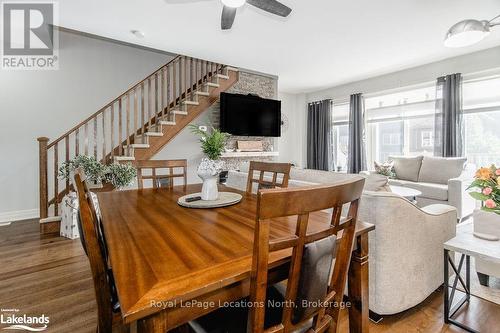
{"points": [[161, 179], [313, 285], [265, 167], [98, 263]]}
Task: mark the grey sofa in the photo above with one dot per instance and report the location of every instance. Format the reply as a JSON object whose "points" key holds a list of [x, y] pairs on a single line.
{"points": [[441, 180]]}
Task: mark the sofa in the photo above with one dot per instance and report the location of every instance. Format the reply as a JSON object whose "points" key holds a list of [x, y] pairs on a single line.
{"points": [[406, 247], [441, 180]]}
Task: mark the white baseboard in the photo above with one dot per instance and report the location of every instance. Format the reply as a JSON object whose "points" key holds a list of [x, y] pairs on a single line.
{"points": [[18, 215]]}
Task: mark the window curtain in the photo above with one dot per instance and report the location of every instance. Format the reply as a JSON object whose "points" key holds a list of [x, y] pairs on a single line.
{"points": [[449, 116], [319, 138], [356, 155]]}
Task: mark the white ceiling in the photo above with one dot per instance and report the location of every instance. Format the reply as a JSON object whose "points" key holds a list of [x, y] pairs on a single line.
{"points": [[322, 43]]}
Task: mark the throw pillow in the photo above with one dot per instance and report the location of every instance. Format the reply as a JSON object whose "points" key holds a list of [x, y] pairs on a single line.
{"points": [[376, 182], [386, 168], [407, 168]]}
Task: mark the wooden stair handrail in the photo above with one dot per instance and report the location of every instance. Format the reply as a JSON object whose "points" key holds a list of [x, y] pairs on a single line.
{"points": [[101, 110]]}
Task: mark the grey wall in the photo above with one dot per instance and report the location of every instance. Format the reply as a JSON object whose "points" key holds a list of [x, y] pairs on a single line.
{"points": [[479, 63], [47, 103], [186, 145]]}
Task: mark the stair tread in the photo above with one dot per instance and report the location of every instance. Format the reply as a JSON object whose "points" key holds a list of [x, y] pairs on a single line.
{"points": [[211, 84], [167, 122], [190, 103], [180, 112], [137, 145], [124, 158], [202, 93], [234, 69], [222, 76]]}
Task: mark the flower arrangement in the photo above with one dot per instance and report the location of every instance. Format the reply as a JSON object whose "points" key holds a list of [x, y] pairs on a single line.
{"points": [[487, 180], [213, 143], [119, 175]]}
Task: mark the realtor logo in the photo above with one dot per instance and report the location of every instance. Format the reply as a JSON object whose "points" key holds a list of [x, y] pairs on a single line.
{"points": [[29, 40]]}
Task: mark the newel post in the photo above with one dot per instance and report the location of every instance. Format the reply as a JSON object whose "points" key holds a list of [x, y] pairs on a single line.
{"points": [[42, 166]]}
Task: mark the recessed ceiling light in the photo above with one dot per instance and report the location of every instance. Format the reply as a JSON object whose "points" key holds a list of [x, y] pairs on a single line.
{"points": [[137, 33]]}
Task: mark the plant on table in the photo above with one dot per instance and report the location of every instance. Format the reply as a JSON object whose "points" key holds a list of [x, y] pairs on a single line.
{"points": [[487, 181], [212, 145]]}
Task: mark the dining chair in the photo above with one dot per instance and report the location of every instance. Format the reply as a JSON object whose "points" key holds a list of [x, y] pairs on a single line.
{"points": [[319, 263], [263, 181], [94, 244], [161, 180]]}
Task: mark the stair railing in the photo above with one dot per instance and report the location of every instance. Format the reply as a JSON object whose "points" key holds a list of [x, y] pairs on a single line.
{"points": [[120, 123]]}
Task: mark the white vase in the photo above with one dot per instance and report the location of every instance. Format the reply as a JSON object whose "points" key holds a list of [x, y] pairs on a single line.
{"points": [[486, 225], [208, 171]]}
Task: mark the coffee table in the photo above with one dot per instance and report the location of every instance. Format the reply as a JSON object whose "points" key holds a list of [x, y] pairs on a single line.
{"points": [[406, 192]]}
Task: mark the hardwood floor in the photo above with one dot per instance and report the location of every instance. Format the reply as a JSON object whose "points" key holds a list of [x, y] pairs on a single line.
{"points": [[51, 275]]}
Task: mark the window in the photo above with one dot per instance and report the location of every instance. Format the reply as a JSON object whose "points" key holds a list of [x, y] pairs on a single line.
{"points": [[481, 100], [402, 123], [427, 139], [340, 135]]}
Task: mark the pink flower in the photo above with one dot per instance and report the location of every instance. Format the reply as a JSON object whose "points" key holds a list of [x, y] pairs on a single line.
{"points": [[490, 203], [497, 172], [487, 190]]}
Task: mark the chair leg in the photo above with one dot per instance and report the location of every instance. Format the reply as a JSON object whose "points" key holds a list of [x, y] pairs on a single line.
{"points": [[484, 279]]}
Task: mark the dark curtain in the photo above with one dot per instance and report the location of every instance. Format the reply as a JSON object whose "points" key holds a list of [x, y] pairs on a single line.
{"points": [[448, 134], [319, 138], [356, 156]]}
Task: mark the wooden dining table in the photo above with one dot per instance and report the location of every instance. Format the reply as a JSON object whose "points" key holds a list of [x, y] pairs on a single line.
{"points": [[172, 264]]}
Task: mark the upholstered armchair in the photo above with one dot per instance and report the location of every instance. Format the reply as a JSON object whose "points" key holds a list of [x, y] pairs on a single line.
{"points": [[406, 249]]}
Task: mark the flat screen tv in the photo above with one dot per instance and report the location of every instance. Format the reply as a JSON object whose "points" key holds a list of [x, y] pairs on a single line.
{"points": [[250, 115]]}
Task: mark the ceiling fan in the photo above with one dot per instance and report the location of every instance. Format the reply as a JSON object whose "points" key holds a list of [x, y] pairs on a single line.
{"points": [[230, 7]]}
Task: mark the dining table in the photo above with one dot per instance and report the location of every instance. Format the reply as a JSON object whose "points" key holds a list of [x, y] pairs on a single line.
{"points": [[172, 264]]}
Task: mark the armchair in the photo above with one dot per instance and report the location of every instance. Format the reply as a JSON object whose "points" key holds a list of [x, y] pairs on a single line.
{"points": [[406, 260]]}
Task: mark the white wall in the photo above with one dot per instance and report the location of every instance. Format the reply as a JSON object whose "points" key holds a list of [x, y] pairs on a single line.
{"points": [[47, 103], [292, 142], [470, 63], [478, 63]]}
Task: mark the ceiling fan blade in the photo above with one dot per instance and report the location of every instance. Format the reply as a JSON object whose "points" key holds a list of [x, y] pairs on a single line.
{"points": [[271, 6], [227, 19]]}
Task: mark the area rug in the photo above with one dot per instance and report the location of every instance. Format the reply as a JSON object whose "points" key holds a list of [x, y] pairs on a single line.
{"points": [[491, 293]]}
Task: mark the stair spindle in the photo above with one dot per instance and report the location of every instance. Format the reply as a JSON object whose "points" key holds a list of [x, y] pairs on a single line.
{"points": [[112, 132], [156, 97], [127, 120], [95, 137], [174, 81], [120, 132], [86, 140], [143, 116], [77, 142], [191, 81], [56, 178], [66, 155], [136, 115], [162, 95]]}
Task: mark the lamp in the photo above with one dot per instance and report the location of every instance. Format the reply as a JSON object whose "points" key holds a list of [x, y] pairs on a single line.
{"points": [[468, 32], [233, 3]]}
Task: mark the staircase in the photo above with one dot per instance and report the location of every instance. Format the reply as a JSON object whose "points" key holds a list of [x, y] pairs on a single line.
{"points": [[134, 126]]}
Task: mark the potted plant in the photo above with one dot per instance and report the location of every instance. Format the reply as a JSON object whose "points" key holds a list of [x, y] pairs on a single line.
{"points": [[99, 176], [94, 170], [487, 219], [212, 144]]}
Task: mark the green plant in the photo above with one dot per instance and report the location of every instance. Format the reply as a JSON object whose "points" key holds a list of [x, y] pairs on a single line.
{"points": [[212, 144], [120, 175], [94, 170]]}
